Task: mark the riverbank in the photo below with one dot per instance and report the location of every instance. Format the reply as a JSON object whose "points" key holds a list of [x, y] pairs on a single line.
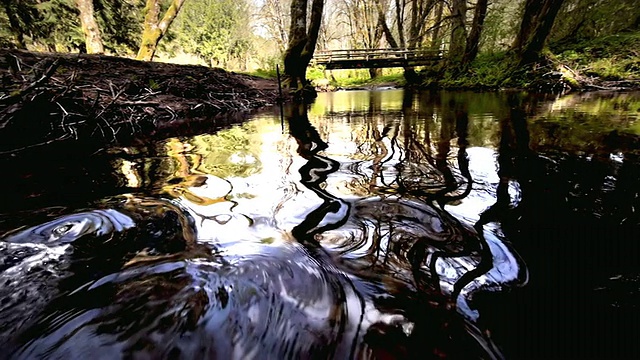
{"points": [[605, 63], [97, 100]]}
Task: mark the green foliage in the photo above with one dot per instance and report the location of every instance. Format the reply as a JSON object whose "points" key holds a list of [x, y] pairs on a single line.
{"points": [[215, 30], [315, 73], [53, 25], [153, 85], [488, 70], [584, 20], [120, 24], [355, 77], [501, 25], [613, 57], [265, 73]]}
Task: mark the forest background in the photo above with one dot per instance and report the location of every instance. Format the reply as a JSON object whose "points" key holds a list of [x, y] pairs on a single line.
{"points": [[585, 38]]}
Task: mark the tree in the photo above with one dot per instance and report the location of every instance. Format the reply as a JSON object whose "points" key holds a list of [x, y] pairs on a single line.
{"points": [[435, 34], [365, 30], [48, 25], [119, 23], [473, 40], [408, 37], [501, 25], [15, 13], [458, 32], [302, 42], [536, 25], [276, 21], [587, 19], [90, 28], [463, 47], [215, 30], [57, 25], [155, 29]]}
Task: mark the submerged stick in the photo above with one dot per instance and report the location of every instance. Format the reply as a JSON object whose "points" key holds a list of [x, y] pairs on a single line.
{"points": [[279, 83], [280, 99]]}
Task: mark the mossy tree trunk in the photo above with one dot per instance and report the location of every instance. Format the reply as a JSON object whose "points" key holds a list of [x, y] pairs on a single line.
{"points": [[155, 29], [436, 42], [93, 40], [458, 34], [536, 25], [473, 40], [463, 47], [302, 42]]}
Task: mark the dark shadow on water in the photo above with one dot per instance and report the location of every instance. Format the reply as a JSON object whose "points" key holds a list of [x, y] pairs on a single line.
{"points": [[333, 212]]}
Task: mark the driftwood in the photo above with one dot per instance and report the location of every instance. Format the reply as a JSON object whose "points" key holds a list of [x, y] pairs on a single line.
{"points": [[45, 98]]}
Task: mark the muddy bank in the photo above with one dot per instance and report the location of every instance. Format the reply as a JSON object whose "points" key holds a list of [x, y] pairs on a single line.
{"points": [[97, 100]]}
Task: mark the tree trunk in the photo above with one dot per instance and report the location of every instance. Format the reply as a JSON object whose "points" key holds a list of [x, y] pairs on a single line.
{"points": [[154, 30], [382, 19], [458, 33], [302, 42], [90, 28], [435, 36], [471, 50], [537, 21], [14, 24], [409, 73], [400, 21]]}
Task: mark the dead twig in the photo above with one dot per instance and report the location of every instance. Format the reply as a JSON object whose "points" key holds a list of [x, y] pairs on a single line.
{"points": [[43, 78]]}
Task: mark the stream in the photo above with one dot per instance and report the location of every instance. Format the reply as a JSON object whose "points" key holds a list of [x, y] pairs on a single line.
{"points": [[385, 224]]}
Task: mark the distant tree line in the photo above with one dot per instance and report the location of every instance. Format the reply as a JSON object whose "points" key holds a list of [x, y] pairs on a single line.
{"points": [[232, 33]]}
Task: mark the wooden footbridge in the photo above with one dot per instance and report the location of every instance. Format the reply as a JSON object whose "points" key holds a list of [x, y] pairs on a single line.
{"points": [[375, 58]]}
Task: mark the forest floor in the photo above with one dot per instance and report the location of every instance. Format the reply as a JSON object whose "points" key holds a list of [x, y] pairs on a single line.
{"points": [[98, 100]]}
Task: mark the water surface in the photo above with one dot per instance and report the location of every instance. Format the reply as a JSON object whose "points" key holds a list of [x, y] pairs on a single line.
{"points": [[384, 224]]}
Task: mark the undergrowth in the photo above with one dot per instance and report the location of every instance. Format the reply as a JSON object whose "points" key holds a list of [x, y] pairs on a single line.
{"points": [[609, 58], [614, 57]]}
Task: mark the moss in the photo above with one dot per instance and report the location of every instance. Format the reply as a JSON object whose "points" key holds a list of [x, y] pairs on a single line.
{"points": [[613, 57], [488, 71], [264, 73]]}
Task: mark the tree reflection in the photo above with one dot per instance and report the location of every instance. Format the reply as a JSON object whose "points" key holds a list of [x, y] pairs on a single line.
{"points": [[400, 228], [454, 126], [333, 212], [513, 152]]}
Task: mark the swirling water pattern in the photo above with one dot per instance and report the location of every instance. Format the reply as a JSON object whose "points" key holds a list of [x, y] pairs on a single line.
{"points": [[70, 228], [355, 234], [210, 274]]}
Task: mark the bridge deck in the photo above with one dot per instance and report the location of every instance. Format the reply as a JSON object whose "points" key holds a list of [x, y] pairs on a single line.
{"points": [[375, 58]]}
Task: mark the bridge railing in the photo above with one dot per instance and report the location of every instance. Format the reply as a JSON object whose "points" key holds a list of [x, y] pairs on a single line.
{"points": [[326, 56]]}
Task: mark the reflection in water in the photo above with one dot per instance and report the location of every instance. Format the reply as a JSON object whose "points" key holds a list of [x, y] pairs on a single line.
{"points": [[72, 227], [379, 226], [333, 211]]}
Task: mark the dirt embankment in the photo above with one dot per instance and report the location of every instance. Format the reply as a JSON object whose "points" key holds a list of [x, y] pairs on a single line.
{"points": [[97, 100]]}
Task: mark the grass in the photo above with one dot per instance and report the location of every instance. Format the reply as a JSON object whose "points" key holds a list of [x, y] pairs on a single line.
{"points": [[350, 78], [264, 73], [341, 78], [614, 57]]}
